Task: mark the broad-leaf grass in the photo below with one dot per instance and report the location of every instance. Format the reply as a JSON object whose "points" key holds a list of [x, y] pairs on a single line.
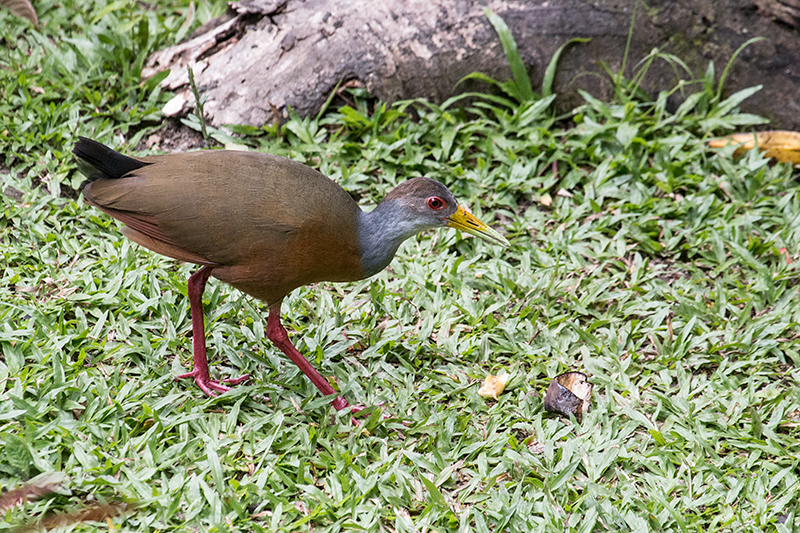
{"points": [[638, 255]]}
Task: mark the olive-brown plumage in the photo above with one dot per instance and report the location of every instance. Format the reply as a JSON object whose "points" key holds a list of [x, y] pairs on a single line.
{"points": [[262, 223], [255, 225]]}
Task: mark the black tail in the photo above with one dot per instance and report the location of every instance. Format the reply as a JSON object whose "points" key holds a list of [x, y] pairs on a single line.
{"points": [[97, 160]]}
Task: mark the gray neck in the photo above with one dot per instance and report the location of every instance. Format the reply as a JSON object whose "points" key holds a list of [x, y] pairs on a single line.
{"points": [[381, 232]]}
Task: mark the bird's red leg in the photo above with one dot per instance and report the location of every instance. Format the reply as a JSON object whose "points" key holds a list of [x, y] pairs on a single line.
{"points": [[196, 286], [277, 334]]}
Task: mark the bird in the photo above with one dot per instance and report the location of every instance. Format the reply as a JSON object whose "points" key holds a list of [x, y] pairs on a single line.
{"points": [[262, 223]]}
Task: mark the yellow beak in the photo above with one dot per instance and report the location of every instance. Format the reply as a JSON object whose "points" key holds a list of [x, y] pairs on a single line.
{"points": [[467, 222]]}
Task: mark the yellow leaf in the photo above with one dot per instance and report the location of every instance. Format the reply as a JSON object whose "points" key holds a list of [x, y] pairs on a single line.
{"points": [[493, 385], [782, 146]]}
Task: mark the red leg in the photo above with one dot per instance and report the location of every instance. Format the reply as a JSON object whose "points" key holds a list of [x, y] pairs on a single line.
{"points": [[196, 286], [277, 334]]}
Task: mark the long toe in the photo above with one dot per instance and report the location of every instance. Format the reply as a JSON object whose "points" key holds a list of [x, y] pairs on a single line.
{"points": [[210, 387], [236, 381], [356, 409]]}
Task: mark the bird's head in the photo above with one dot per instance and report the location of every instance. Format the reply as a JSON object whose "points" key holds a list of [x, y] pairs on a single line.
{"points": [[431, 205]]}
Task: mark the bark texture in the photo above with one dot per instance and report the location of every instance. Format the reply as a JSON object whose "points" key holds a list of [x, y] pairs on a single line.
{"points": [[265, 55]]}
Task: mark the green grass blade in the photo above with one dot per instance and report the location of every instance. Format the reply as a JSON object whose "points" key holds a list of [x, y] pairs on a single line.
{"points": [[522, 81], [550, 71]]}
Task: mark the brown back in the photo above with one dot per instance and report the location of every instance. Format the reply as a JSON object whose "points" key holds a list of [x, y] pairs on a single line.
{"points": [[271, 224]]}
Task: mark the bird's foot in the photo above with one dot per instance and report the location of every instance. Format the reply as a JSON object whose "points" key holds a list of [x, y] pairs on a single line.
{"points": [[211, 386], [340, 403]]}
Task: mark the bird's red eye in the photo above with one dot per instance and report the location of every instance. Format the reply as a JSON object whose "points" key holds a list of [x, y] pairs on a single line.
{"points": [[435, 203]]}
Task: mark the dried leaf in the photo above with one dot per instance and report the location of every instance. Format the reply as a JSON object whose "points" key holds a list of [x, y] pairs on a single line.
{"points": [[569, 393], [22, 8], [782, 146], [493, 386], [35, 488], [92, 513]]}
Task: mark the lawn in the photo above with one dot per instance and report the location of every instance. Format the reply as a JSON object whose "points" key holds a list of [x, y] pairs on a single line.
{"points": [[665, 270]]}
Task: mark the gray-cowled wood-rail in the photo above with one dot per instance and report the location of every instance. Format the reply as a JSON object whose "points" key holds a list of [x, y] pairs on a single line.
{"points": [[262, 223]]}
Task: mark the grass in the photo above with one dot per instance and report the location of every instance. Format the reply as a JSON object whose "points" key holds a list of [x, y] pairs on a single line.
{"points": [[638, 255]]}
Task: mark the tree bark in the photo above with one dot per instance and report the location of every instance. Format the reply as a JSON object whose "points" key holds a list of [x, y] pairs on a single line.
{"points": [[265, 55]]}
